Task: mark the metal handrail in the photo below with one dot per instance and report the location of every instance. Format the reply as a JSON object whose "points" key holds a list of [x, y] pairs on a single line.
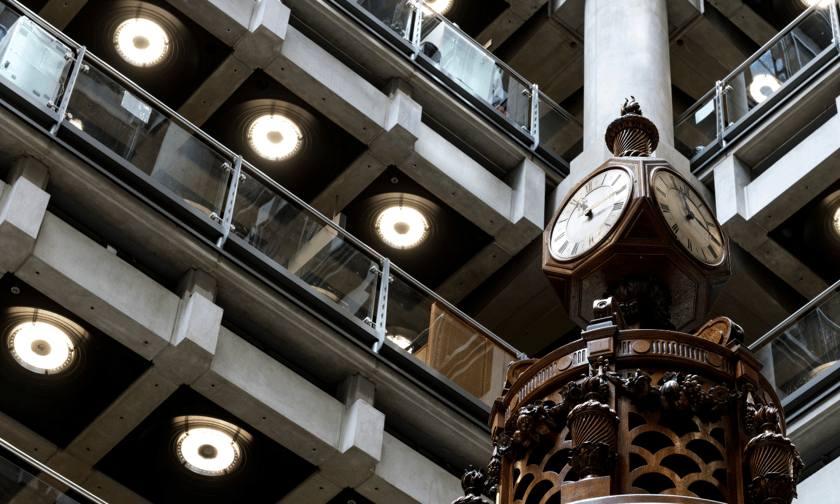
{"points": [[265, 179], [565, 113], [43, 467], [796, 317], [697, 106], [779, 36]]}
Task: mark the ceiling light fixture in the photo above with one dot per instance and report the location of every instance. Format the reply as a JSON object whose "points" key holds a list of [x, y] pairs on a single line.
{"points": [[837, 221], [762, 86], [274, 137], [141, 42], [41, 348], [208, 451], [402, 227], [811, 3], [439, 6]]}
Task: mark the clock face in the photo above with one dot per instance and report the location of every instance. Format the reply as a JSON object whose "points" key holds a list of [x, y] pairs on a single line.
{"points": [[689, 218], [590, 214]]}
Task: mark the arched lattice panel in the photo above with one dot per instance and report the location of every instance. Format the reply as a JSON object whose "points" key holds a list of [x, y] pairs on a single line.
{"points": [[538, 475], [675, 453]]}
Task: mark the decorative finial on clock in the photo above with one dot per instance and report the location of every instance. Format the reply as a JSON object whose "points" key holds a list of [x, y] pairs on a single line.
{"points": [[631, 134]]}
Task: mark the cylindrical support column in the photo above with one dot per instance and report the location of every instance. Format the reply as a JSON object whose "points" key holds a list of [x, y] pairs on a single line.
{"points": [[626, 54]]}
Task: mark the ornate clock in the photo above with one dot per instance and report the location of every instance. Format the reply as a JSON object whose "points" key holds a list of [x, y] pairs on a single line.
{"points": [[639, 232]]}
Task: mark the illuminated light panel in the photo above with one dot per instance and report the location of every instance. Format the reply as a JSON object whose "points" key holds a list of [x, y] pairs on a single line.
{"points": [[837, 221], [811, 3], [401, 227], [141, 42], [41, 347], [274, 137], [439, 6], [762, 86], [400, 341], [208, 451]]}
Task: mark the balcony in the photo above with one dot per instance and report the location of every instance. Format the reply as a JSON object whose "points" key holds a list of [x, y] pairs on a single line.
{"points": [[106, 121]]}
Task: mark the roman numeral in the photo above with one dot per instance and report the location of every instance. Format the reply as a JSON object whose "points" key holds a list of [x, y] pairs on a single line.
{"points": [[574, 250], [563, 247], [688, 245], [617, 177], [604, 180], [676, 228], [621, 189], [704, 253], [561, 235], [665, 208], [661, 191], [714, 240], [672, 180], [714, 254], [710, 224], [590, 187], [591, 240], [618, 206]]}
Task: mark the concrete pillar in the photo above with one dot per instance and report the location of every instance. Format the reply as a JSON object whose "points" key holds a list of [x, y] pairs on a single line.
{"points": [[23, 205], [626, 54]]}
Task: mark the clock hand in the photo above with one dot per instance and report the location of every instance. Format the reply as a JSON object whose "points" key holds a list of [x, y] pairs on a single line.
{"points": [[690, 214], [608, 196]]}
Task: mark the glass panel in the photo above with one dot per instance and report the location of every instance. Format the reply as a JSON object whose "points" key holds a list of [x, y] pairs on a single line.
{"points": [[806, 350], [446, 343], [33, 60], [17, 485], [475, 70], [782, 61], [558, 134], [297, 241], [159, 147], [395, 14], [698, 130]]}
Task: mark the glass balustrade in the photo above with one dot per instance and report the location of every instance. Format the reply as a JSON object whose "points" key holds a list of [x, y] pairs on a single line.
{"points": [[395, 14], [17, 485], [154, 144], [475, 70], [295, 239], [771, 68], [698, 128], [163, 151], [441, 339], [558, 133], [805, 348]]}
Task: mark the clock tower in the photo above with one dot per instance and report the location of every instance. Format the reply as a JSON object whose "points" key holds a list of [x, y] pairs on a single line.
{"points": [[653, 399]]}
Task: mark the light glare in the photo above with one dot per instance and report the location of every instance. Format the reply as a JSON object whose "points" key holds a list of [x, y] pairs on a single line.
{"points": [[401, 227], [208, 451], [837, 221], [41, 347], [274, 137], [762, 86], [439, 6], [400, 341], [141, 42]]}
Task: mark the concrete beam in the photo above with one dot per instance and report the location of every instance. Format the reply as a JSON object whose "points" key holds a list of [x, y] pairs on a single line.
{"points": [[215, 90], [405, 476], [59, 13], [90, 281], [400, 130], [136, 402], [196, 330], [506, 23], [745, 18], [23, 205], [349, 184]]}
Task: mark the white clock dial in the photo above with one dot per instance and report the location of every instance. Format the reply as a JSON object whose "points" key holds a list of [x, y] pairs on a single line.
{"points": [[689, 218], [590, 214]]}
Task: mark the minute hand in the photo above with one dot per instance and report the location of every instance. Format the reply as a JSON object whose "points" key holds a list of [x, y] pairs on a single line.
{"points": [[608, 196]]}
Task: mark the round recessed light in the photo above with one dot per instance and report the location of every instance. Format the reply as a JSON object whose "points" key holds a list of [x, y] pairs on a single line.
{"points": [[41, 347], [401, 227], [208, 451], [141, 42], [762, 86], [274, 137], [837, 221], [400, 341], [439, 6]]}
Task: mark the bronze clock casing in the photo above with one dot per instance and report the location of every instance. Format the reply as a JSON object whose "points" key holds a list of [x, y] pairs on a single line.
{"points": [[640, 241]]}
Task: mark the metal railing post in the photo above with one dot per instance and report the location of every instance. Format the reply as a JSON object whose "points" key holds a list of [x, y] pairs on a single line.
{"points": [[535, 115], [835, 23], [68, 89], [382, 304], [720, 115], [227, 214], [418, 28]]}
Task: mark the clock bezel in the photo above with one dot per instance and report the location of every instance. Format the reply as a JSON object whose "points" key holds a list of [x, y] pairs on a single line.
{"points": [[724, 248], [633, 190]]}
